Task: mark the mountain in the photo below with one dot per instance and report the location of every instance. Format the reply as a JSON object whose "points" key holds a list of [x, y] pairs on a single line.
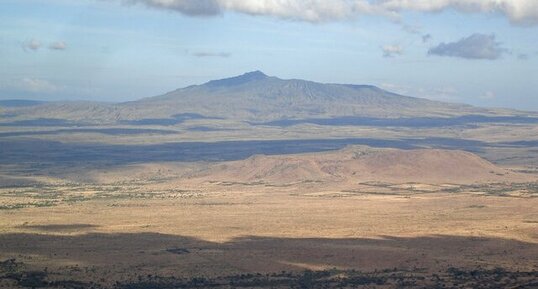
{"points": [[253, 97], [256, 96]]}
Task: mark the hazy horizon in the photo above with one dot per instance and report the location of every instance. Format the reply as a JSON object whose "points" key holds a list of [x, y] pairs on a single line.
{"points": [[209, 80]]}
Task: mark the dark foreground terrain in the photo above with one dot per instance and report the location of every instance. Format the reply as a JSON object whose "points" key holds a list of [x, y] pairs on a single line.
{"points": [[191, 263], [15, 274]]}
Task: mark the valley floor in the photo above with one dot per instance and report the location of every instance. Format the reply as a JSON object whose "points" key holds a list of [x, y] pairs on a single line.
{"points": [[251, 235]]}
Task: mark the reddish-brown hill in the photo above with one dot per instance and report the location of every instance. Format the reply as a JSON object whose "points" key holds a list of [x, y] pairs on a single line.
{"points": [[359, 164]]}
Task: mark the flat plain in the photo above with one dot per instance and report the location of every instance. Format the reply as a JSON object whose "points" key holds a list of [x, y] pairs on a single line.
{"points": [[173, 225]]}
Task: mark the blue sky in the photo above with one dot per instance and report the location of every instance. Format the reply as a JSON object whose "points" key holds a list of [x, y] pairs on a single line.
{"points": [[103, 50]]}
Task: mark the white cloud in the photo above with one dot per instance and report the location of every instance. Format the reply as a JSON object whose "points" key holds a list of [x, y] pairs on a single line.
{"points": [[517, 11], [32, 44], [392, 50], [58, 45], [303, 10], [35, 45]]}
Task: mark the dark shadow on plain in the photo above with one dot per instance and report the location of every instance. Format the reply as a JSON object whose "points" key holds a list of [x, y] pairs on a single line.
{"points": [[173, 120], [44, 122], [255, 253], [106, 131], [153, 260], [59, 227], [57, 153], [411, 122]]}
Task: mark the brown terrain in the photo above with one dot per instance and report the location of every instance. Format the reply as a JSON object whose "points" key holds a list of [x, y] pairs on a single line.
{"points": [[362, 164], [357, 217]]}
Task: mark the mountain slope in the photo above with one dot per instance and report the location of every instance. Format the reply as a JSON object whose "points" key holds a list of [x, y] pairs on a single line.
{"points": [[254, 96]]}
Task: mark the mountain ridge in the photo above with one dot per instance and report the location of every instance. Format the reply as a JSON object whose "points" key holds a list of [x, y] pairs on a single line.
{"points": [[257, 96], [240, 79]]}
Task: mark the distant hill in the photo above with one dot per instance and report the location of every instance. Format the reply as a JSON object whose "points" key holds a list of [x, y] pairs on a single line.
{"points": [[362, 164], [253, 97], [19, 102]]}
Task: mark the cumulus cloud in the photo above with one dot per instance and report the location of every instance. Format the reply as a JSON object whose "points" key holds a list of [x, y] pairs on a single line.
{"points": [[32, 45], [187, 7], [391, 50], [58, 45], [35, 45], [303, 10], [517, 11], [476, 46]]}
